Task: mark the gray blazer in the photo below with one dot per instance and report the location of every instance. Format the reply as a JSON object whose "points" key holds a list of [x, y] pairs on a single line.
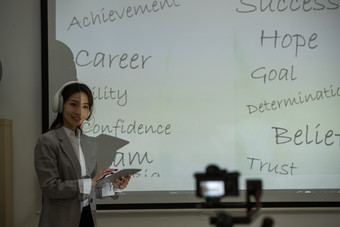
{"points": [[58, 171]]}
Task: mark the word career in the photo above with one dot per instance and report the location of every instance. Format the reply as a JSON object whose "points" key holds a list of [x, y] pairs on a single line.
{"points": [[108, 60]]}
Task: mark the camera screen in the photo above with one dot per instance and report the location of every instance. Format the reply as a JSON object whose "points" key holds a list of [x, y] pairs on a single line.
{"points": [[213, 188]]}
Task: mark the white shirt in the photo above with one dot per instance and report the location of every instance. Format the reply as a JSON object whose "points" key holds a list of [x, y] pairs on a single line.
{"points": [[85, 183]]}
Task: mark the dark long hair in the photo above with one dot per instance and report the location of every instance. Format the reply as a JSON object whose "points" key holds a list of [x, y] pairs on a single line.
{"points": [[66, 93]]}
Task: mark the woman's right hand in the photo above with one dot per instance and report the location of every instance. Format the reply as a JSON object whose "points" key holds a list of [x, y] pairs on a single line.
{"points": [[101, 174]]}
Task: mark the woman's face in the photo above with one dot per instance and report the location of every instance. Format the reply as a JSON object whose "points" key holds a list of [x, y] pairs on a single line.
{"points": [[76, 110]]}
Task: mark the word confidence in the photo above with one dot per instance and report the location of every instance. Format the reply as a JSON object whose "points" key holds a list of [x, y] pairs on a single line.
{"points": [[285, 5], [263, 166], [307, 136], [127, 12], [99, 59], [120, 128]]}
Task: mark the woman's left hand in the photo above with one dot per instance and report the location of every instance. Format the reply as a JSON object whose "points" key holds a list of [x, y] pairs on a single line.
{"points": [[122, 183]]}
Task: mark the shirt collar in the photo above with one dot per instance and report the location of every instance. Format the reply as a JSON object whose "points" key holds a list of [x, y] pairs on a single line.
{"points": [[70, 133]]}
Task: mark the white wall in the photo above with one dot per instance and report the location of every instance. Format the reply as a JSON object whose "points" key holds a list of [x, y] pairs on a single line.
{"points": [[20, 100]]}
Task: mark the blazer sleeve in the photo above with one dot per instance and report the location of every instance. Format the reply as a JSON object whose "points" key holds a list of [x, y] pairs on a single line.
{"points": [[56, 174]]}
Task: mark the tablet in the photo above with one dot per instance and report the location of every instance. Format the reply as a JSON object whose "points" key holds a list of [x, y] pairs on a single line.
{"points": [[116, 175]]}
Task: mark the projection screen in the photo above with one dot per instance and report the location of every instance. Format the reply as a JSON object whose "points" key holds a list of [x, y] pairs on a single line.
{"points": [[250, 86]]}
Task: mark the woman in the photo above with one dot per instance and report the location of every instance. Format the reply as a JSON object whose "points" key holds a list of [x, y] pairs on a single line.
{"points": [[65, 162]]}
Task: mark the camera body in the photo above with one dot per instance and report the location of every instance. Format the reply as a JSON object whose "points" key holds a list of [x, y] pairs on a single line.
{"points": [[216, 183]]}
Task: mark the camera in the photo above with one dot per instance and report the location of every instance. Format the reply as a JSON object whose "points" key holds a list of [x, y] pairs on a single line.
{"points": [[216, 183]]}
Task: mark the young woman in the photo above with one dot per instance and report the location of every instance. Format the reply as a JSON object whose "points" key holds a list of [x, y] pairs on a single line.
{"points": [[65, 162]]}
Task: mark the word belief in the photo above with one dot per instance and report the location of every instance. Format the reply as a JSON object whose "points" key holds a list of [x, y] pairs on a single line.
{"points": [[308, 135]]}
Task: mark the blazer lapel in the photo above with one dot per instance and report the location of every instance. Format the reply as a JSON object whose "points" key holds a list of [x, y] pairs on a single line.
{"points": [[87, 148], [68, 150]]}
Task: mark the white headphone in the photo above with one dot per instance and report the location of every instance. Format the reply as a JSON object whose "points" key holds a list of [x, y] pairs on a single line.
{"points": [[58, 101]]}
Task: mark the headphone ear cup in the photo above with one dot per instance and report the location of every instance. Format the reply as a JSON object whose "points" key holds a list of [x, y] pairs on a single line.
{"points": [[56, 102], [60, 104], [92, 113]]}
